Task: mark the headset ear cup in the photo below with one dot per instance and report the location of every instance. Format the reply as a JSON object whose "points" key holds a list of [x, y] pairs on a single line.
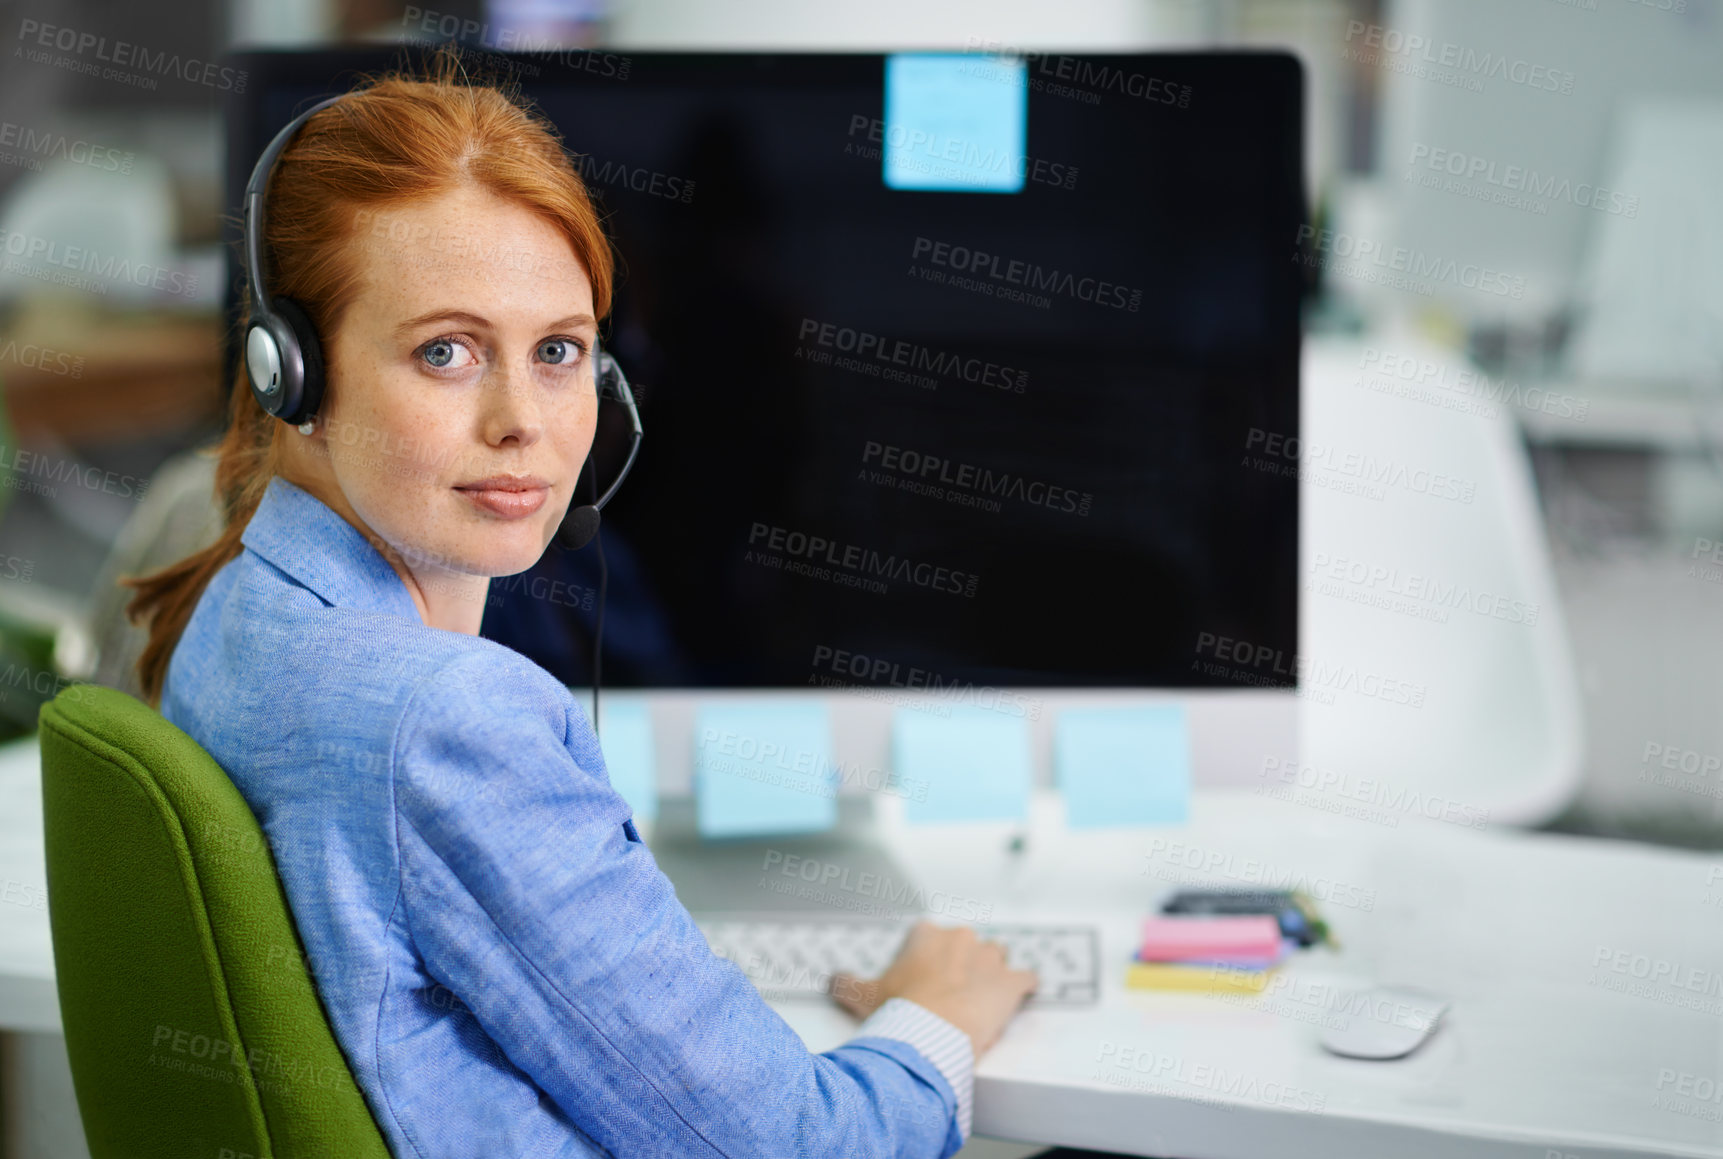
{"points": [[310, 351]]}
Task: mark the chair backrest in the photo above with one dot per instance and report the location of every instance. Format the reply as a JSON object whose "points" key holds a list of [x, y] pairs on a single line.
{"points": [[1440, 682], [190, 1017]]}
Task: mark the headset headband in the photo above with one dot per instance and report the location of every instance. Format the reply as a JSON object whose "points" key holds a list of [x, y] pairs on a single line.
{"points": [[253, 204]]}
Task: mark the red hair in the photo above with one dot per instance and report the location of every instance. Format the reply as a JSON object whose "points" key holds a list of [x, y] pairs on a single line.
{"points": [[396, 139]]}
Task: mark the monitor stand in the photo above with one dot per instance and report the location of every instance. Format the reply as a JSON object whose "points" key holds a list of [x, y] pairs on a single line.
{"points": [[842, 872]]}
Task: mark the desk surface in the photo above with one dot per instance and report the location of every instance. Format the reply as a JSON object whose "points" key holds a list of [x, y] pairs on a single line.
{"points": [[1587, 980], [27, 997]]}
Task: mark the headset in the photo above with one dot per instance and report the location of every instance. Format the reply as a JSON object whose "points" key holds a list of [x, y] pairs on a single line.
{"points": [[284, 360]]}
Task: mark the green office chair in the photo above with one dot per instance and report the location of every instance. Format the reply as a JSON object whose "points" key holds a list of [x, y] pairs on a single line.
{"points": [[190, 1018]]}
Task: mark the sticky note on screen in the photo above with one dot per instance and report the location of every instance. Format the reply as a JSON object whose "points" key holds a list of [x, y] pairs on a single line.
{"points": [[1123, 766], [974, 765], [955, 122], [626, 738], [764, 769]]}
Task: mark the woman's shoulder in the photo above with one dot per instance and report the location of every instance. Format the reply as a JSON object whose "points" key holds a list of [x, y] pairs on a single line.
{"points": [[358, 668], [473, 670], [483, 705], [471, 684], [412, 689]]}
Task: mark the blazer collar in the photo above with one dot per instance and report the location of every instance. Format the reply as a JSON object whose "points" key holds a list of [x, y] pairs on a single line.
{"points": [[312, 544]]}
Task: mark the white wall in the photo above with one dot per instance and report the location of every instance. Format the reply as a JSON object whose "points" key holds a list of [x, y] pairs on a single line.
{"points": [[1616, 49], [781, 25]]}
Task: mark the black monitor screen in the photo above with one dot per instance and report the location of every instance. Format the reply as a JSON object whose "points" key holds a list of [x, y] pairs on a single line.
{"points": [[908, 436]]}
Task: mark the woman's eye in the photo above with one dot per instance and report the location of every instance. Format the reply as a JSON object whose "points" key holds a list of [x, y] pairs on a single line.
{"points": [[558, 352], [445, 354]]}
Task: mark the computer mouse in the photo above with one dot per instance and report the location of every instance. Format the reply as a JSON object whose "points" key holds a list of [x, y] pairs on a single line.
{"points": [[1384, 1023]]}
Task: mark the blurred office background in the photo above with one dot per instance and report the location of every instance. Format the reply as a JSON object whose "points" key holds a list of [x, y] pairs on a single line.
{"points": [[1586, 184], [1583, 178]]}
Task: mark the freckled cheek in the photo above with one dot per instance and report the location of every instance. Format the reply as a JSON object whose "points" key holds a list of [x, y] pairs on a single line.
{"points": [[448, 450], [363, 407], [575, 434], [389, 454]]}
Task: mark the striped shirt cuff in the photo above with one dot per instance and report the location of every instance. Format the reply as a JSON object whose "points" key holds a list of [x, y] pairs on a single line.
{"points": [[941, 1043]]}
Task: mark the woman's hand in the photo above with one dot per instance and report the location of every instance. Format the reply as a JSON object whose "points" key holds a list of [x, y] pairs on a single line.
{"points": [[950, 972]]}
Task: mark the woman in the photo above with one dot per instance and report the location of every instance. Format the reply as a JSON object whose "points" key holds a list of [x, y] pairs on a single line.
{"points": [[515, 975]]}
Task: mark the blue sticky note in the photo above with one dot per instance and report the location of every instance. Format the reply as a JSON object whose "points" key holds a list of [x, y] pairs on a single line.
{"points": [[1123, 766], [974, 764], [626, 738], [956, 121], [764, 768]]}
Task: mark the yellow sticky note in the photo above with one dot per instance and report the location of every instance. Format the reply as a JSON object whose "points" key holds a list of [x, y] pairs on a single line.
{"points": [[1208, 979]]}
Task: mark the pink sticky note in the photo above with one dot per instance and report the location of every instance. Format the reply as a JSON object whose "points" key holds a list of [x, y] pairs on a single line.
{"points": [[1179, 939]]}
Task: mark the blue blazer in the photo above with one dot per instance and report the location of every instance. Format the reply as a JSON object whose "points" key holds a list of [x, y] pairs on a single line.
{"points": [[504, 966]]}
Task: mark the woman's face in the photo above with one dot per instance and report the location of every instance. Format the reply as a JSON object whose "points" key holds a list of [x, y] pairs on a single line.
{"points": [[461, 399]]}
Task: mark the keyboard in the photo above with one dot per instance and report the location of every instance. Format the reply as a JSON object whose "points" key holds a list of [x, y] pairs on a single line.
{"points": [[792, 957]]}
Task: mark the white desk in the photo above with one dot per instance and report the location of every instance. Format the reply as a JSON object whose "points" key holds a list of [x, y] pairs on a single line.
{"points": [[1538, 1058], [27, 998]]}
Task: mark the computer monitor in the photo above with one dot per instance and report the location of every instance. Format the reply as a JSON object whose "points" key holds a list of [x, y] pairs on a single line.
{"points": [[962, 377]]}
